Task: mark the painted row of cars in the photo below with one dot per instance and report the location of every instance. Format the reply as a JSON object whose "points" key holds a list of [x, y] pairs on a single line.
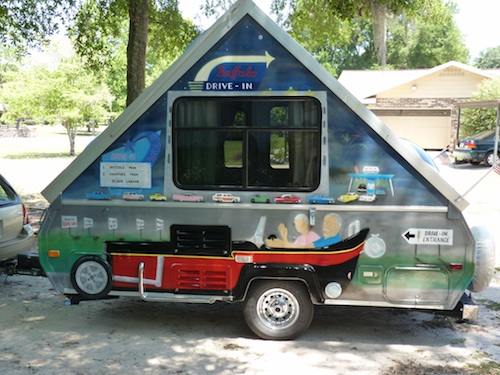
{"points": [[128, 196], [230, 198]]}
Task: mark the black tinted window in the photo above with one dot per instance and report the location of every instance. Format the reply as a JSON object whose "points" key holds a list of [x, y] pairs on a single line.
{"points": [[247, 143], [7, 195]]}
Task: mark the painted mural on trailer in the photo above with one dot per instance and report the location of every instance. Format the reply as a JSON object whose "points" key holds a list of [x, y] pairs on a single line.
{"points": [[269, 114], [250, 158], [362, 168], [246, 173], [179, 161]]}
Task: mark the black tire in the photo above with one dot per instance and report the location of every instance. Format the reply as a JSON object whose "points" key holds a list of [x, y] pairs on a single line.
{"points": [[278, 310], [488, 159], [91, 277], [252, 200]]}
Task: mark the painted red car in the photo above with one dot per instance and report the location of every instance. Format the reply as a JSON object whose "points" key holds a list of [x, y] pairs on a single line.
{"points": [[287, 198]]}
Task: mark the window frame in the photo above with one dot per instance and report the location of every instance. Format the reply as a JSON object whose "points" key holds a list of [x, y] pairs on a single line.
{"points": [[318, 129]]}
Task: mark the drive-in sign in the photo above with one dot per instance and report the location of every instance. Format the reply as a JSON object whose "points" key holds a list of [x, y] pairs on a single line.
{"points": [[419, 236]]}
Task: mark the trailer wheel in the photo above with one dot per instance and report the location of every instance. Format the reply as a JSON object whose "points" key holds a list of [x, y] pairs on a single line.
{"points": [[485, 259], [278, 310], [91, 277]]}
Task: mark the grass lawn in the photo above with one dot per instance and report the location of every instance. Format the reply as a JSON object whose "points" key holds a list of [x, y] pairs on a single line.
{"points": [[31, 163], [45, 142]]}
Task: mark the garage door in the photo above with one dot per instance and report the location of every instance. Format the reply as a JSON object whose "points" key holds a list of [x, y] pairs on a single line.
{"points": [[429, 132]]}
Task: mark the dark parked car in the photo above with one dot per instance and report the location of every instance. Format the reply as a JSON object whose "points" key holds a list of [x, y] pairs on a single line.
{"points": [[476, 149], [16, 234]]}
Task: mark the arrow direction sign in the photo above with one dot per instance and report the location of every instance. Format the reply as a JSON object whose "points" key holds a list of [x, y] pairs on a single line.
{"points": [[205, 71], [420, 236], [410, 235]]}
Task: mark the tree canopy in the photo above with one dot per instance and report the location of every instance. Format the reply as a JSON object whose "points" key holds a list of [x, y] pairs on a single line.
{"points": [[64, 92], [98, 28], [475, 120], [489, 58], [100, 35], [363, 34], [26, 23], [412, 40], [427, 41], [138, 39]]}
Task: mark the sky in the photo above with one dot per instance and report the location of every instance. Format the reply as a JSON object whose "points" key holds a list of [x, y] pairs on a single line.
{"points": [[477, 20]]}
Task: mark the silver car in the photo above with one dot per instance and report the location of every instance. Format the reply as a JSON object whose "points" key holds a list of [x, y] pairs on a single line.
{"points": [[16, 234]]}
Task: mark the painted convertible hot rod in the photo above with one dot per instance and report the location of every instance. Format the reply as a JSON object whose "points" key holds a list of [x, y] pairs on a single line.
{"points": [[247, 113]]}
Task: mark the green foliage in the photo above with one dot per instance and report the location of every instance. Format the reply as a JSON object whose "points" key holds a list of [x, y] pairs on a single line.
{"points": [[360, 53], [489, 58], [323, 36], [65, 93], [170, 35], [8, 61], [339, 33], [96, 30], [475, 120], [101, 36], [349, 9], [26, 23], [436, 40], [417, 40], [484, 368]]}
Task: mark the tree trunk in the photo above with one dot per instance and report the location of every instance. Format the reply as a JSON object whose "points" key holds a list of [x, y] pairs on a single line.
{"points": [[71, 130], [136, 50], [379, 20]]}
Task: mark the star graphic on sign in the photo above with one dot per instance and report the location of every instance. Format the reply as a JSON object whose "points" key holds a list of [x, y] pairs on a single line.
{"points": [[346, 138], [129, 146]]}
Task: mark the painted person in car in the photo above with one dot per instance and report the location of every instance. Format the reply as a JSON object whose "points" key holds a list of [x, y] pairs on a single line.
{"points": [[330, 230], [301, 224]]}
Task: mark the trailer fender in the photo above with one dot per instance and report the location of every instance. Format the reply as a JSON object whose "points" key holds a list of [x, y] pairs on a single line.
{"points": [[485, 259], [298, 272]]}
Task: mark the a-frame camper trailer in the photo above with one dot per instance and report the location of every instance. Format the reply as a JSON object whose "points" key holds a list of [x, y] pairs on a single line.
{"points": [[247, 173]]}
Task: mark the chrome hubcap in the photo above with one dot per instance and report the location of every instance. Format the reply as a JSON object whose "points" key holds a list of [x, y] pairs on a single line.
{"points": [[277, 308]]}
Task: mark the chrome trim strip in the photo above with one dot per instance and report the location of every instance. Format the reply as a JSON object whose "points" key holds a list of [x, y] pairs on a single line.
{"points": [[333, 302], [255, 206]]}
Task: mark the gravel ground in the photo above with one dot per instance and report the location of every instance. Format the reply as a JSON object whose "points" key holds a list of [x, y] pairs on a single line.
{"points": [[40, 335]]}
